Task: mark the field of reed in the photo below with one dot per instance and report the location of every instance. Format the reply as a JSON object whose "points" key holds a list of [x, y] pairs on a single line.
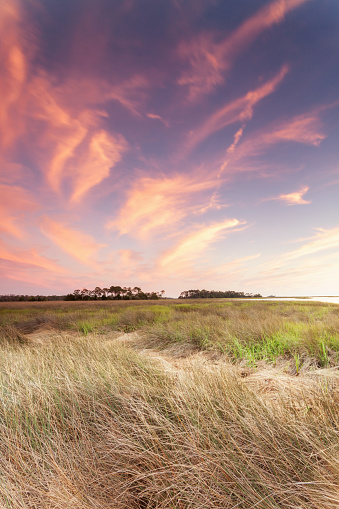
{"points": [[171, 404]]}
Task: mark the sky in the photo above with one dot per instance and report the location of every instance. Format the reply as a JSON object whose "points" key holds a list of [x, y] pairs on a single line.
{"points": [[169, 145]]}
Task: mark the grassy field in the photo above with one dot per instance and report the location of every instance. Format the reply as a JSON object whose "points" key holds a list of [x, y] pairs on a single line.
{"points": [[169, 404]]}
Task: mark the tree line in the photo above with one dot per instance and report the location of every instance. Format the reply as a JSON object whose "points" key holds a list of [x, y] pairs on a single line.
{"points": [[212, 294], [114, 293], [29, 298], [127, 293]]}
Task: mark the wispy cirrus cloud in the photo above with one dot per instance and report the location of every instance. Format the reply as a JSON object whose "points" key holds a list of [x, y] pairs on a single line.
{"points": [[103, 152], [153, 116], [62, 131], [15, 203], [209, 59], [28, 258], [81, 246], [70, 145], [295, 198], [238, 110], [155, 203], [191, 247], [324, 244], [306, 267], [306, 128], [14, 70], [323, 239]]}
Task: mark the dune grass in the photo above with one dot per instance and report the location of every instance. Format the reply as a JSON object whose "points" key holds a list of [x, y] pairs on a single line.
{"points": [[87, 421]]}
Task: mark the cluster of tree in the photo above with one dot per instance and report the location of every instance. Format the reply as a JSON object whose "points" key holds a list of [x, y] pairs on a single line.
{"points": [[29, 298], [114, 293], [211, 294]]}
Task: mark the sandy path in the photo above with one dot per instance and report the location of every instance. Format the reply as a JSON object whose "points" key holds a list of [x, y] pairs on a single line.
{"points": [[272, 382]]}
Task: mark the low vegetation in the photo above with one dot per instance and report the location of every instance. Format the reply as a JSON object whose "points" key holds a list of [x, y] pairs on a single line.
{"points": [[89, 419], [247, 331]]}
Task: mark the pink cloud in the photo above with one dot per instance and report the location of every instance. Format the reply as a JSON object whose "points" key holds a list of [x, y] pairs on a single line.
{"points": [[60, 129], [301, 129], [15, 202], [103, 153], [209, 60], [238, 110], [206, 65], [14, 70], [155, 203], [295, 198], [305, 128], [28, 257], [153, 116], [71, 146], [80, 246], [189, 249]]}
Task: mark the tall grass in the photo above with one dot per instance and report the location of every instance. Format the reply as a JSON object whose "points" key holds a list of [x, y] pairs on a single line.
{"points": [[86, 423], [256, 331], [248, 331]]}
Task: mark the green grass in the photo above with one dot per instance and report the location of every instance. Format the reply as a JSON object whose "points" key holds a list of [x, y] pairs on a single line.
{"points": [[256, 331]]}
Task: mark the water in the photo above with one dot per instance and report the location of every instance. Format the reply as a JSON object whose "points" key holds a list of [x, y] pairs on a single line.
{"points": [[331, 300]]}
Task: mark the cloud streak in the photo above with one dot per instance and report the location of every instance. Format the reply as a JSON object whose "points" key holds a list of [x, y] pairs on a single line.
{"points": [[28, 257], [239, 110], [306, 129], [15, 203], [209, 60], [157, 203], [190, 249], [60, 129], [324, 239], [80, 246], [295, 198]]}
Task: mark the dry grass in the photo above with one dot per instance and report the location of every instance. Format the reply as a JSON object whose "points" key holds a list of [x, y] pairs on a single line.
{"points": [[88, 421]]}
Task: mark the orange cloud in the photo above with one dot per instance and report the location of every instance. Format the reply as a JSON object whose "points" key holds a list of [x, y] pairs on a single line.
{"points": [[157, 117], [14, 202], [305, 128], [237, 138], [301, 129], [79, 245], [103, 152], [157, 203], [28, 257], [206, 65], [191, 248], [59, 128], [238, 110], [295, 198], [209, 60], [14, 70], [71, 145]]}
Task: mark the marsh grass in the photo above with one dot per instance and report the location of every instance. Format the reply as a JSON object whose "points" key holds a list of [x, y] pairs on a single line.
{"points": [[248, 331], [88, 423], [256, 331]]}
